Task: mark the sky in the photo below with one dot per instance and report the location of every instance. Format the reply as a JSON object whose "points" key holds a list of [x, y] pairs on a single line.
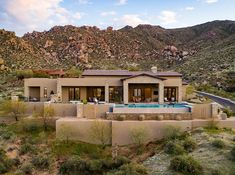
{"points": [[22, 16]]}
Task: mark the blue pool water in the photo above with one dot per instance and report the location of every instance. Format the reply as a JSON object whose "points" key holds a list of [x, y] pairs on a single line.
{"points": [[175, 105]]}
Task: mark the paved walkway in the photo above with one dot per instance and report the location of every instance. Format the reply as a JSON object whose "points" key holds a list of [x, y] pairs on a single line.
{"points": [[222, 101]]}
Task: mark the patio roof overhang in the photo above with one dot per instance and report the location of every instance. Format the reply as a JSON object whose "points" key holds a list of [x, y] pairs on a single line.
{"points": [[143, 74]]}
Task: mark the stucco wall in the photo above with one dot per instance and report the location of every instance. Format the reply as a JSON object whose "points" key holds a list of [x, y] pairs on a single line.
{"points": [[79, 129], [92, 111], [121, 131], [50, 84], [61, 109], [203, 111]]}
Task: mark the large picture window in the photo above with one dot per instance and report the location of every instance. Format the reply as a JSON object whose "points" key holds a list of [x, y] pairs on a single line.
{"points": [[115, 94], [74, 93], [95, 92]]}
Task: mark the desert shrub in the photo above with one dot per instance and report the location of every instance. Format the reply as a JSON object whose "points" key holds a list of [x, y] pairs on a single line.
{"points": [[173, 132], [101, 132], [5, 163], [232, 153], [218, 143], [26, 168], [95, 166], [3, 168], [113, 164], [132, 168], [228, 111], [6, 135], [186, 164], [26, 148], [173, 148], [73, 165], [40, 162], [189, 144], [31, 126], [139, 135]]}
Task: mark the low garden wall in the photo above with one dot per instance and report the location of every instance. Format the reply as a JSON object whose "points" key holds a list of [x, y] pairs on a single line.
{"points": [[148, 116], [61, 109], [120, 134]]}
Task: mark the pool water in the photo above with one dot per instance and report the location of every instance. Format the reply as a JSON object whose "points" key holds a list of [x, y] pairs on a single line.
{"points": [[175, 105]]}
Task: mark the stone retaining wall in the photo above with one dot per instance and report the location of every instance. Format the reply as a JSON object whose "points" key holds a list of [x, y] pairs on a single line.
{"points": [[148, 116]]}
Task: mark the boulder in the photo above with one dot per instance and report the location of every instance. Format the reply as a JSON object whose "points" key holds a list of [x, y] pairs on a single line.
{"points": [[223, 116], [1, 61]]}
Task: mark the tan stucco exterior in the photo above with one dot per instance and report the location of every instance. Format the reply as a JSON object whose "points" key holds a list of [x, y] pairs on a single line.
{"points": [[60, 86]]}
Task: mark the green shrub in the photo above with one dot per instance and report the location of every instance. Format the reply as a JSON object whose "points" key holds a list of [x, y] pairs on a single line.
{"points": [[232, 152], [186, 164], [95, 166], [113, 164], [25, 148], [31, 126], [3, 168], [40, 162], [6, 135], [132, 169], [26, 168], [218, 143], [173, 148], [189, 144], [228, 111], [173, 132], [121, 117], [73, 165]]}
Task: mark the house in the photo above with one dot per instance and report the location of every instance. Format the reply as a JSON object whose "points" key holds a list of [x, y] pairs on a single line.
{"points": [[110, 86]]}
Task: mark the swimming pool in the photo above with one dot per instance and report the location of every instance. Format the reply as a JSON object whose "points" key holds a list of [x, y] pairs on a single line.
{"points": [[152, 108], [142, 105]]}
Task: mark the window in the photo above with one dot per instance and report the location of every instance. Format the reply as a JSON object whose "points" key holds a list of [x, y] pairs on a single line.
{"points": [[137, 92], [45, 92], [170, 93], [74, 93], [115, 94]]}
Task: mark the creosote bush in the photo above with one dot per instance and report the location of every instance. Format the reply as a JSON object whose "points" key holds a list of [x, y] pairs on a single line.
{"points": [[186, 164], [40, 162], [26, 148], [189, 144], [26, 168], [218, 143], [173, 148], [173, 132], [132, 169]]}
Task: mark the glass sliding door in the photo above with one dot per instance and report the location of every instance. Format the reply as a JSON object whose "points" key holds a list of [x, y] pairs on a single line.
{"points": [[74, 93], [170, 94]]}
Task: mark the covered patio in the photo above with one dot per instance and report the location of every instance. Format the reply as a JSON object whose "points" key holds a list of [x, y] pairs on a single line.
{"points": [[143, 88]]}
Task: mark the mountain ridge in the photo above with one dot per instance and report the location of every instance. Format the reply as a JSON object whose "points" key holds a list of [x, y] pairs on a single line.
{"points": [[202, 52]]}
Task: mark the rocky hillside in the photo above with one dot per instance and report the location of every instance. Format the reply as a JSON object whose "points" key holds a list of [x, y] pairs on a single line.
{"points": [[202, 53]]}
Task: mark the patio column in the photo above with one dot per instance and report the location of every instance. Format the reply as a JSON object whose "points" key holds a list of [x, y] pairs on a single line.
{"points": [[106, 91], [161, 93], [125, 92], [180, 93]]}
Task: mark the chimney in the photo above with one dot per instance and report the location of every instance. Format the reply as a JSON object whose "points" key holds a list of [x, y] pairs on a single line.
{"points": [[154, 69]]}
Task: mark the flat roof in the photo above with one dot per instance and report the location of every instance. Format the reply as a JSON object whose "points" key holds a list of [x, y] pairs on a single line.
{"points": [[128, 73]]}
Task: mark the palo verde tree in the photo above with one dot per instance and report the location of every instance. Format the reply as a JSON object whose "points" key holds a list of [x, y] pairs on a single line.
{"points": [[15, 109], [101, 132], [46, 114], [139, 136]]}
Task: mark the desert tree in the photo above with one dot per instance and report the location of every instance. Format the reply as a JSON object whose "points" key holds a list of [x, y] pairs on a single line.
{"points": [[46, 114], [101, 132], [64, 133], [15, 109], [139, 136]]}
